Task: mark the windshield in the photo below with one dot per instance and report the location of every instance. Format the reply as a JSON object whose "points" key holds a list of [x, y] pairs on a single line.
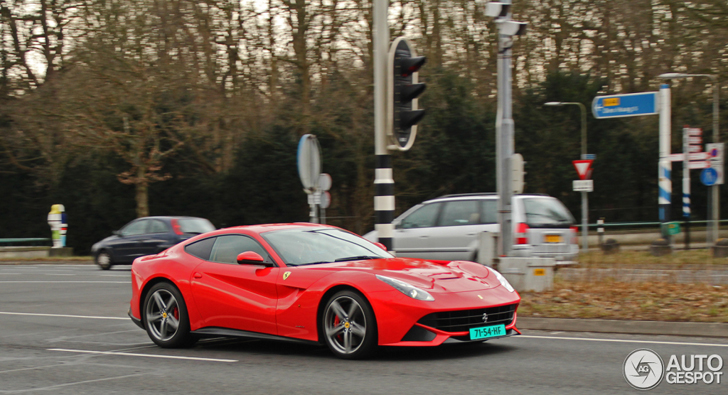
{"points": [[546, 212], [195, 225], [306, 247]]}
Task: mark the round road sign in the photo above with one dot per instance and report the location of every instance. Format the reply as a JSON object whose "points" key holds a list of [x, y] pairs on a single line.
{"points": [[708, 176], [324, 182], [309, 161]]}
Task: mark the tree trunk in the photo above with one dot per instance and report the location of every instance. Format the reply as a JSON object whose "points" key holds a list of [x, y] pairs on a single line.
{"points": [[142, 194]]}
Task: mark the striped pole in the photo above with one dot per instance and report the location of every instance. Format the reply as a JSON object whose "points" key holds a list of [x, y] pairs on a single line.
{"points": [[383, 181], [664, 165], [384, 200]]}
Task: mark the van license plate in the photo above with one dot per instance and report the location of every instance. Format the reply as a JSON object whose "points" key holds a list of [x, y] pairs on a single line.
{"points": [[553, 238]]}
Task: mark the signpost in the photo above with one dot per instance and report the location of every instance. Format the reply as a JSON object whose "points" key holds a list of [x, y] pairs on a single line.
{"points": [[584, 185], [715, 160], [627, 105]]}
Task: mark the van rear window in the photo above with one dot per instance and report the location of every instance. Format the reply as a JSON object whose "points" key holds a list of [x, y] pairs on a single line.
{"points": [[546, 212]]}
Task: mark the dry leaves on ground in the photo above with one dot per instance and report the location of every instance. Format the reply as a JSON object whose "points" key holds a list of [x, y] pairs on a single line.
{"points": [[629, 301]]}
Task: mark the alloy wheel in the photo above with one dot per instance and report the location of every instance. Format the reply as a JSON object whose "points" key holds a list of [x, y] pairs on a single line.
{"points": [[163, 315], [345, 325]]}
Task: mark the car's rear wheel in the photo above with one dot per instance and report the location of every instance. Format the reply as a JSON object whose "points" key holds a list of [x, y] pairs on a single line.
{"points": [[349, 327], [165, 317], [103, 259]]}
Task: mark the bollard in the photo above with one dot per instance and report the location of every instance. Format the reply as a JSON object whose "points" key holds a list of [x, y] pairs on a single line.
{"points": [[57, 222], [720, 249], [660, 247], [600, 230]]}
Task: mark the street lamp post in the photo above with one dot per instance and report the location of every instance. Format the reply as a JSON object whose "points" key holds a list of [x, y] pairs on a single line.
{"points": [[584, 196], [714, 207]]}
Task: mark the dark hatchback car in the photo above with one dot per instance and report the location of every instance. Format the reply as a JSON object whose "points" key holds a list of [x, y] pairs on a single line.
{"points": [[146, 236]]}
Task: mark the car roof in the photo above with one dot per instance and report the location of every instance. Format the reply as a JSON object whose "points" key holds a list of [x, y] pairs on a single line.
{"points": [[262, 228], [169, 217], [479, 195]]}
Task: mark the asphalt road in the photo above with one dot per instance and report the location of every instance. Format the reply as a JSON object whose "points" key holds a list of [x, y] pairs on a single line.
{"points": [[64, 330]]}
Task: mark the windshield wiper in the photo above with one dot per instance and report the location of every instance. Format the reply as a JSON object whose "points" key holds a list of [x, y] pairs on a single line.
{"points": [[312, 263], [357, 258]]}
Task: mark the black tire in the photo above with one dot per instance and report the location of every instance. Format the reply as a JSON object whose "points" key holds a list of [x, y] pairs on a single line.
{"points": [[103, 259], [163, 309], [348, 326]]}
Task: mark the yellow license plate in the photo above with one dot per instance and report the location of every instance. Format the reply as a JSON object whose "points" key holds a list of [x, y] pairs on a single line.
{"points": [[553, 238]]}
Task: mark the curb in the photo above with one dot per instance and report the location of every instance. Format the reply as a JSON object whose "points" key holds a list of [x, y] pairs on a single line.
{"points": [[693, 329]]}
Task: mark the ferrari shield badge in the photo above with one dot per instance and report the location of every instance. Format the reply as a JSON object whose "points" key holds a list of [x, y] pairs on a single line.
{"points": [[286, 274]]}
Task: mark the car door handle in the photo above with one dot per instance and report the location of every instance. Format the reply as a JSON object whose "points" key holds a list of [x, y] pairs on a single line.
{"points": [[471, 234], [198, 275], [424, 236]]}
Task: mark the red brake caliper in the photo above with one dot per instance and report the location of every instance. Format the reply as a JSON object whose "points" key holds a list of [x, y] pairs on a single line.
{"points": [[336, 323]]}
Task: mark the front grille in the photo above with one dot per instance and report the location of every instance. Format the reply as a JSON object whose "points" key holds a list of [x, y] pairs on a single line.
{"points": [[463, 320]]}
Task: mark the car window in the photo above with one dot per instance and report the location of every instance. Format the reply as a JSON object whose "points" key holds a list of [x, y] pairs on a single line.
{"points": [[490, 211], [227, 248], [461, 212], [546, 212], [157, 226], [195, 225], [201, 249], [135, 228], [424, 217], [313, 246]]}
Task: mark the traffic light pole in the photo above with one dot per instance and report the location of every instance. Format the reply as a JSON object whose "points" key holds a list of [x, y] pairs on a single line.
{"points": [[383, 180], [504, 126], [504, 143]]}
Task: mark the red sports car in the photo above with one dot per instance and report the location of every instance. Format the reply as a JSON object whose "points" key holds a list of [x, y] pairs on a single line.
{"points": [[315, 283]]}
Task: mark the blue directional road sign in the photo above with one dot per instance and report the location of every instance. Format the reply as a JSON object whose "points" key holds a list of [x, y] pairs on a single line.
{"points": [[627, 105], [708, 176]]}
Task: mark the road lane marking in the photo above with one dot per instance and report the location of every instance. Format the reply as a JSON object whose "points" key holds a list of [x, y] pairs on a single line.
{"points": [[93, 317], [128, 354], [65, 282], [70, 384], [590, 339]]}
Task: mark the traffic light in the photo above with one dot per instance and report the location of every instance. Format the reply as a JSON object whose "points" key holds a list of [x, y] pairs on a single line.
{"points": [[404, 89]]}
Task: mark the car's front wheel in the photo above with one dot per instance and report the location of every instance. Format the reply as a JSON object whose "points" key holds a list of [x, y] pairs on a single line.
{"points": [[349, 326], [103, 259], [165, 317]]}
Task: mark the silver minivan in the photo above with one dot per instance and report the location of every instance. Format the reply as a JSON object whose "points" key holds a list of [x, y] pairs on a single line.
{"points": [[448, 227]]}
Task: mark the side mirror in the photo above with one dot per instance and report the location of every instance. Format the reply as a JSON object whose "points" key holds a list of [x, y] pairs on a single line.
{"points": [[250, 258], [116, 233], [380, 245]]}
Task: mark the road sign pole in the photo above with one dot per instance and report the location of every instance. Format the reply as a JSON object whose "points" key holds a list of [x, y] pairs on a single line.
{"points": [[383, 181], [664, 164], [686, 185], [715, 189], [584, 221]]}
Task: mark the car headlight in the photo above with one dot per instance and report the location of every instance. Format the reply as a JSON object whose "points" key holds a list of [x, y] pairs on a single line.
{"points": [[407, 289], [503, 281]]}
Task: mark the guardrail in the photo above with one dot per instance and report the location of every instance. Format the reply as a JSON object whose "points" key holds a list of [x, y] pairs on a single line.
{"points": [[646, 224], [31, 240]]}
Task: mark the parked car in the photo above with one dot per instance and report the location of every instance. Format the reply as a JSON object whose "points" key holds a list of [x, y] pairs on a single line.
{"points": [[315, 284], [146, 236], [448, 227]]}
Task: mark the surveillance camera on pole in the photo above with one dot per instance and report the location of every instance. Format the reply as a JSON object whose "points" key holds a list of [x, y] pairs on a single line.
{"points": [[505, 150]]}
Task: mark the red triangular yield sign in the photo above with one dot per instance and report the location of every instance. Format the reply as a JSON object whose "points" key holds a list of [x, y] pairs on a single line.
{"points": [[583, 168]]}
